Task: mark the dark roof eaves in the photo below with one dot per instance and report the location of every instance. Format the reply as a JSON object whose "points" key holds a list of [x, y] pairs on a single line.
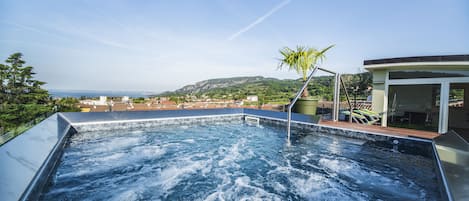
{"points": [[441, 58]]}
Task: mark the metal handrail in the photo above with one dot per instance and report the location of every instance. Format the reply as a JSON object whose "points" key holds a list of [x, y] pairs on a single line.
{"points": [[345, 90], [348, 99], [296, 98], [338, 79]]}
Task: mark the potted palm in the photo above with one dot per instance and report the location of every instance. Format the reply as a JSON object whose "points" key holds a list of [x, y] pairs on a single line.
{"points": [[302, 60]]}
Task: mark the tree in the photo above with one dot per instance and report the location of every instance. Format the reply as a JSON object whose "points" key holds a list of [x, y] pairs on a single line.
{"points": [[302, 60], [22, 98], [3, 79], [67, 104], [177, 99]]}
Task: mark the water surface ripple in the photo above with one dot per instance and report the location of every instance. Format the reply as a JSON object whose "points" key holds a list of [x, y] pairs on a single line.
{"points": [[235, 161]]}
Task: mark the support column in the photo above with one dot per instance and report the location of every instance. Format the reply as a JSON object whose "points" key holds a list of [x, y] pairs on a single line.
{"points": [[444, 110], [336, 102], [384, 118]]}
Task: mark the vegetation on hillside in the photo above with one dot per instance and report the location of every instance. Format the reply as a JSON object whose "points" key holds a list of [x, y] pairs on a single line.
{"points": [[271, 90]]}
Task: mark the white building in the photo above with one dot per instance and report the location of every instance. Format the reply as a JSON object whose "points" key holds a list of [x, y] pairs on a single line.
{"points": [[426, 92], [102, 101], [125, 99], [252, 98]]}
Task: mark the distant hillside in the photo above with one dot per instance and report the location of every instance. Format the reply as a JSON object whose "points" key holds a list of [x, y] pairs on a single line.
{"points": [[268, 89], [207, 85]]}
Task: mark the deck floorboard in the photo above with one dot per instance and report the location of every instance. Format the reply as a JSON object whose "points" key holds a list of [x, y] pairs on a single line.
{"points": [[384, 130]]}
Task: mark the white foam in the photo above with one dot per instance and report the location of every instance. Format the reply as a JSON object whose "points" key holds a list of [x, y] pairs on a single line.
{"points": [[110, 145], [191, 141], [257, 192], [108, 158], [278, 186], [269, 162], [241, 189], [137, 132], [242, 181], [127, 195], [67, 190], [148, 151], [312, 183], [318, 187], [103, 162], [232, 154], [214, 196], [172, 175], [369, 179], [76, 173]]}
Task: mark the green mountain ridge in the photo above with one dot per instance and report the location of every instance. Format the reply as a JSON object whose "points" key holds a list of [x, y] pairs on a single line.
{"points": [[268, 89]]}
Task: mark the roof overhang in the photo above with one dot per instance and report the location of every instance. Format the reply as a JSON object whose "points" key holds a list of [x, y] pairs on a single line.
{"points": [[464, 65], [445, 62]]}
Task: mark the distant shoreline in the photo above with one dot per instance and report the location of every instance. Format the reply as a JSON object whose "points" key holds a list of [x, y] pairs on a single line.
{"points": [[96, 93]]}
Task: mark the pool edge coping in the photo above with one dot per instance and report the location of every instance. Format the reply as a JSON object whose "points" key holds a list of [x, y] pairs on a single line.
{"points": [[348, 129], [441, 170], [38, 182]]}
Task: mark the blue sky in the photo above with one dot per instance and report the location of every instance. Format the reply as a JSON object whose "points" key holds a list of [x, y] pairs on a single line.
{"points": [[163, 45]]}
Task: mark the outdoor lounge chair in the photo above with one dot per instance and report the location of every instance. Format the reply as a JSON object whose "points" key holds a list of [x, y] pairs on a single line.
{"points": [[358, 118], [369, 115]]}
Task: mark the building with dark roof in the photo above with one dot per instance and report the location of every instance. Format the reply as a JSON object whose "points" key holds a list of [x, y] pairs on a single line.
{"points": [[425, 92]]}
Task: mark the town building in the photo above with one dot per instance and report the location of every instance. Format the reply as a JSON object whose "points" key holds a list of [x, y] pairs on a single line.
{"points": [[252, 98]]}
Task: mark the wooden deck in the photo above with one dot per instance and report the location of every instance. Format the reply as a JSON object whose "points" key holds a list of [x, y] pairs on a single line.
{"points": [[384, 130]]}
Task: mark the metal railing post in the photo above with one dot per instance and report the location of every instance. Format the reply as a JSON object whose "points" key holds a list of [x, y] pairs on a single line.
{"points": [[348, 99], [336, 103], [296, 98], [336, 99]]}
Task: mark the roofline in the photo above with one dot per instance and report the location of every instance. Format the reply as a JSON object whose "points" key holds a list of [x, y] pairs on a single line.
{"points": [[419, 59], [410, 64]]}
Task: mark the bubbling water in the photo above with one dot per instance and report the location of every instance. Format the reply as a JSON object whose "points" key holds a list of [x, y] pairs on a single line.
{"points": [[234, 162]]}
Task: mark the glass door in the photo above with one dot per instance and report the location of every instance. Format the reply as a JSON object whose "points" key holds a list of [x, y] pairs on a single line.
{"points": [[414, 106], [458, 109]]}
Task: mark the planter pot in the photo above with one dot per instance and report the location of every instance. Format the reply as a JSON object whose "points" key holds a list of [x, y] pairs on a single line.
{"points": [[305, 106]]}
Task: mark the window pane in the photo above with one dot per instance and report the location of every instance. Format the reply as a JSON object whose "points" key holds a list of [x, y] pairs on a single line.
{"points": [[414, 106], [458, 117]]}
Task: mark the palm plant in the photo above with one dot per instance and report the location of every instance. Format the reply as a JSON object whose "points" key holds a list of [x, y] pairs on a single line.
{"points": [[302, 60]]}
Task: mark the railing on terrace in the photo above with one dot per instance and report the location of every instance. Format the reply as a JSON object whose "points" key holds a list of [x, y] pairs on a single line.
{"points": [[6, 136], [336, 103]]}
